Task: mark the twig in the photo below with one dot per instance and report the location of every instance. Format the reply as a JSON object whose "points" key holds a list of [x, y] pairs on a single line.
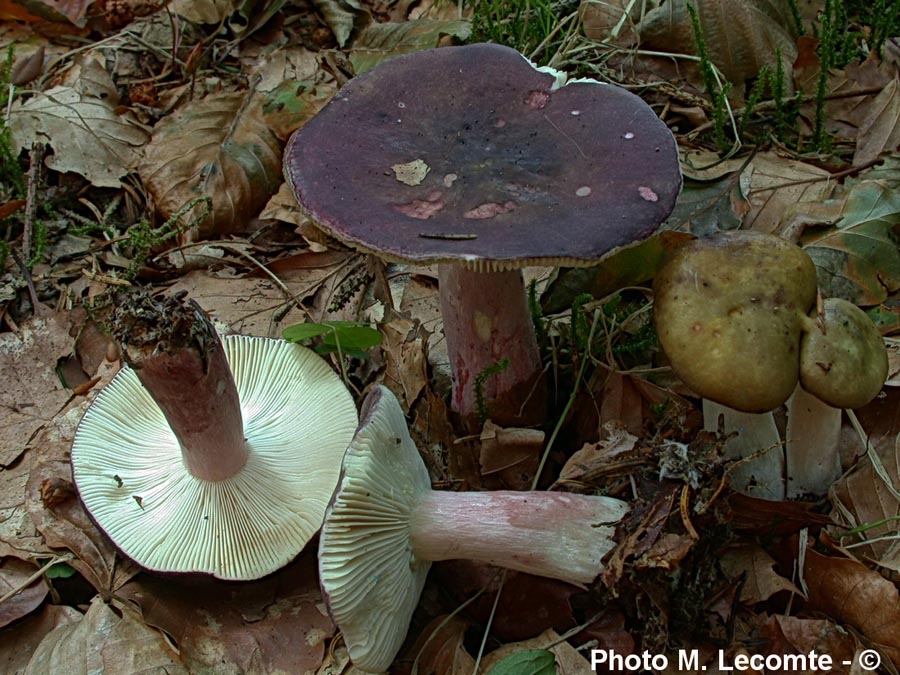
{"points": [[34, 175]]}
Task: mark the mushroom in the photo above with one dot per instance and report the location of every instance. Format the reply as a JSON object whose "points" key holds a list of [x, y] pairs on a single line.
{"points": [[385, 526], [472, 158], [208, 456], [735, 316]]}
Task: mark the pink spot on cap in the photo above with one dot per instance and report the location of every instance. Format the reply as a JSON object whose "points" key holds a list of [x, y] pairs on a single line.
{"points": [[537, 99], [489, 210], [423, 209], [648, 194]]}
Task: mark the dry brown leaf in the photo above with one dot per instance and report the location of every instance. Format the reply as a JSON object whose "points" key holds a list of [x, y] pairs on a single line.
{"points": [[850, 593], [18, 535], [14, 574], [18, 642], [751, 564], [793, 635], [31, 394], [741, 36], [110, 639], [221, 148], [509, 457], [667, 553], [204, 11], [74, 11], [569, 661], [404, 358], [87, 135], [594, 455], [440, 649], [879, 131], [774, 189], [273, 625], [57, 513], [600, 17], [258, 305]]}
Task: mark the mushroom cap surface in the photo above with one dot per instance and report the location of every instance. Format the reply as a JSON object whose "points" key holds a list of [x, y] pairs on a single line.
{"points": [[729, 310], [128, 467], [846, 365], [370, 578], [472, 155]]}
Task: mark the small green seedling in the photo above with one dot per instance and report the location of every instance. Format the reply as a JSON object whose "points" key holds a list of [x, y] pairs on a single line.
{"points": [[347, 337], [527, 662]]}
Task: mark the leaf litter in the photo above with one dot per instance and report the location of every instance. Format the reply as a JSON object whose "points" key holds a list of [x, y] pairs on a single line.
{"points": [[163, 113]]}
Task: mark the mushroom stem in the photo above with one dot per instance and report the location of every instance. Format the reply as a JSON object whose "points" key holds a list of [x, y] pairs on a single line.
{"points": [[550, 534], [486, 319], [178, 357], [812, 445]]}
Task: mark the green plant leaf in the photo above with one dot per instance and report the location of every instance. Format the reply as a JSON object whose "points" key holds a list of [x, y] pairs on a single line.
{"points": [[859, 258], [354, 337], [528, 662], [60, 571]]}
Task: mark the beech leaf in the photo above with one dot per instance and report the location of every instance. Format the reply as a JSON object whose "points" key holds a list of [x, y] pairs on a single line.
{"points": [[219, 147], [88, 137], [859, 259], [380, 41], [880, 129]]}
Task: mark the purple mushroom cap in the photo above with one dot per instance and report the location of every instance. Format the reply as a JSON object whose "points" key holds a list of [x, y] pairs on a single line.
{"points": [[472, 155]]}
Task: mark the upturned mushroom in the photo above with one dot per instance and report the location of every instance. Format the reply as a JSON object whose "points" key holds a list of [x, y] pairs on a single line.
{"points": [[736, 317], [385, 526], [472, 158], [207, 456]]}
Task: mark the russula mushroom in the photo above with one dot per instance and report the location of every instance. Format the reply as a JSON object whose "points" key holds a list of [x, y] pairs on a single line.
{"points": [[472, 158], [736, 316], [385, 526], [209, 456]]}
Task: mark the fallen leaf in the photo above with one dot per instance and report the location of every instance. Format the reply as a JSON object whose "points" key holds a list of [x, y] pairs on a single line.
{"points": [[859, 258], [537, 657], [75, 11], [879, 131], [404, 358], [57, 513], [219, 147], [87, 135], [273, 625], [204, 11], [110, 639], [750, 565], [439, 648], [343, 17], [795, 635], [850, 593], [292, 104], [594, 455], [380, 41], [666, 553], [600, 17], [18, 535], [32, 393], [18, 642], [741, 36], [14, 574], [510, 456], [777, 183]]}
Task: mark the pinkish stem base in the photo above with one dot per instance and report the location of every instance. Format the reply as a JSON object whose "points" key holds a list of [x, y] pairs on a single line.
{"points": [[550, 534], [486, 319]]}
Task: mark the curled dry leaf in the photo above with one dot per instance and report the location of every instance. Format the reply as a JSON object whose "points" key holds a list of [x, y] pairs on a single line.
{"points": [[751, 564], [741, 36], [404, 358], [110, 639], [510, 456], [852, 594], [14, 576], [218, 147], [18, 642], [272, 625], [31, 393], [87, 135]]}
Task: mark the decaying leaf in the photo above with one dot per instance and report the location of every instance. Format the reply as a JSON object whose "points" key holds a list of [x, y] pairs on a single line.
{"points": [[273, 625], [600, 17], [31, 393], [291, 104], [750, 564], [87, 135], [850, 593], [859, 259], [110, 639], [18, 642], [221, 148], [592, 456], [404, 356], [204, 11], [794, 635], [343, 17], [440, 649], [879, 130], [14, 576], [741, 36], [569, 661], [777, 184], [510, 457], [381, 41]]}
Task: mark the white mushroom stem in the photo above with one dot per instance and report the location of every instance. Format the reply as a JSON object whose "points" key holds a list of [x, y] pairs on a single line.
{"points": [[486, 319], [758, 442], [550, 534], [197, 395], [812, 447]]}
